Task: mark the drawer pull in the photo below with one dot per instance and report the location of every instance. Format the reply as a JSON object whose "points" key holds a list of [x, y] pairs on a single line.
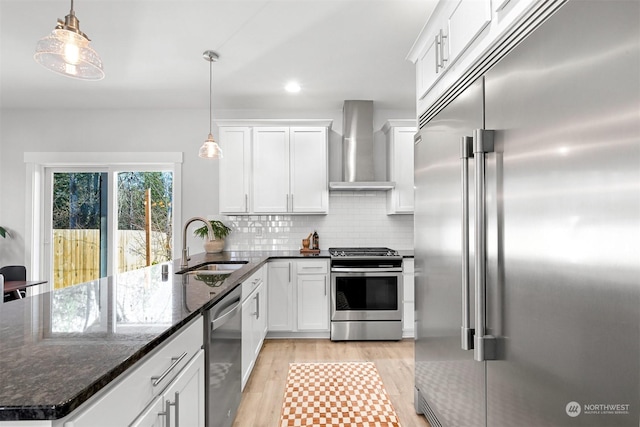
{"points": [[176, 361]]}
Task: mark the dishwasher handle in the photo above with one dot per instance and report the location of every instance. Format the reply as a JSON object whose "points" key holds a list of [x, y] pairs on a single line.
{"points": [[226, 315]]}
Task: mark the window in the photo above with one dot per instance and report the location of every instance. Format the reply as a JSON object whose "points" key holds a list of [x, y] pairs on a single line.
{"points": [[100, 215]]}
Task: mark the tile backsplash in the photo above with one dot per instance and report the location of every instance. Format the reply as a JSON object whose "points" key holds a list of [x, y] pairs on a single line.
{"points": [[356, 218]]}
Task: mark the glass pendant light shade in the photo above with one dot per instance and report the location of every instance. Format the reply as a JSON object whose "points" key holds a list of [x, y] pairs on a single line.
{"points": [[210, 149], [67, 51]]}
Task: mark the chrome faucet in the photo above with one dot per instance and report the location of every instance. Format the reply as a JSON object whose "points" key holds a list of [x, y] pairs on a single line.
{"points": [[185, 249]]}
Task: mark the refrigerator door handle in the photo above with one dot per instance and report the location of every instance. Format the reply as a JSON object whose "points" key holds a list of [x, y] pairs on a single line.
{"points": [[484, 345], [466, 332]]}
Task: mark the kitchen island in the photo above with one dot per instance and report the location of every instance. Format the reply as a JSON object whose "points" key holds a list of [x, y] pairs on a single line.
{"points": [[59, 349]]}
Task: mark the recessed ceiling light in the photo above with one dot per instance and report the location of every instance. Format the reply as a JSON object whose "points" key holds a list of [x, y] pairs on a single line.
{"points": [[292, 87]]}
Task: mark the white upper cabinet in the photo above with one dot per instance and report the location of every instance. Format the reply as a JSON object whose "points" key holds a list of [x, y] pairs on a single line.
{"points": [[234, 169], [271, 170], [271, 167], [465, 22], [427, 66], [399, 136], [308, 170], [459, 35], [452, 28]]}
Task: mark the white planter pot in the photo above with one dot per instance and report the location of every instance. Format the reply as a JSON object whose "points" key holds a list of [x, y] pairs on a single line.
{"points": [[213, 246]]}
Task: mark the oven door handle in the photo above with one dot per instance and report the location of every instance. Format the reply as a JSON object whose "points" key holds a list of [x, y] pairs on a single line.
{"points": [[366, 270]]}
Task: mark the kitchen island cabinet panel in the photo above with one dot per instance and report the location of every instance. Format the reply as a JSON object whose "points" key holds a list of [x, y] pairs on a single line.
{"points": [[183, 401], [185, 395], [131, 394], [152, 416]]}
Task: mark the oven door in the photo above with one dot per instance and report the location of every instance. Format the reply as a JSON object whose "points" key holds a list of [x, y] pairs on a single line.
{"points": [[366, 295]]}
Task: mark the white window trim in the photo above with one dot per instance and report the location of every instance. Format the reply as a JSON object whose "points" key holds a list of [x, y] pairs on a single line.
{"points": [[37, 162]]}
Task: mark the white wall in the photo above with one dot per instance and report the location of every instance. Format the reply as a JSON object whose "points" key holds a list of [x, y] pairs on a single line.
{"points": [[122, 130]]}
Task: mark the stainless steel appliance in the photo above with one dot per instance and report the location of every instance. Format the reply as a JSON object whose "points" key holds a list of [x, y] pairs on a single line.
{"points": [[223, 353], [366, 294], [527, 231]]}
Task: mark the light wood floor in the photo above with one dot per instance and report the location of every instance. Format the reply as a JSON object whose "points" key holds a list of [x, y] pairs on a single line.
{"points": [[262, 396]]}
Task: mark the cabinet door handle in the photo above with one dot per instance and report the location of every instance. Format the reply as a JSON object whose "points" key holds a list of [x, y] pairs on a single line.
{"points": [[177, 405], [443, 60], [291, 203], [167, 412], [246, 203], [325, 286], [436, 44], [287, 205], [289, 272], [176, 361], [257, 298]]}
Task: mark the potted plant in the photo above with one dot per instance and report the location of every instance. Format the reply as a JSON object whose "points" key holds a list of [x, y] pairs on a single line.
{"points": [[4, 232], [220, 231]]}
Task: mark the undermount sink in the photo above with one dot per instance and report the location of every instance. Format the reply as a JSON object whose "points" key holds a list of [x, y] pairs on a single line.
{"points": [[214, 274], [219, 268]]}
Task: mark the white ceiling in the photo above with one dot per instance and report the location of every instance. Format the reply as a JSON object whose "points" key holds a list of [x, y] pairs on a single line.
{"points": [[152, 53]]}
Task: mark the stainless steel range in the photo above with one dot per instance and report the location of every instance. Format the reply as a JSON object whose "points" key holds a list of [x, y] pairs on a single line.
{"points": [[366, 294]]}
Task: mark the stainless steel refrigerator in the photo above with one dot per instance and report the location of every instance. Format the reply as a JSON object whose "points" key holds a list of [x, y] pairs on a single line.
{"points": [[527, 232]]}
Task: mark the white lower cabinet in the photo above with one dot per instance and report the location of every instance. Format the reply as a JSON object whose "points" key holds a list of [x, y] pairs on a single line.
{"points": [[152, 416], [184, 398], [312, 286], [182, 403], [254, 329], [280, 295], [408, 280], [174, 369], [299, 298]]}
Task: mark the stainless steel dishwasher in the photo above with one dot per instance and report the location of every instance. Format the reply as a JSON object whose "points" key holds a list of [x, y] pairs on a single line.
{"points": [[223, 368]]}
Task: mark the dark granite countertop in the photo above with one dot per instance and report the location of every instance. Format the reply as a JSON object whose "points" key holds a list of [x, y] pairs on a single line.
{"points": [[59, 348]]}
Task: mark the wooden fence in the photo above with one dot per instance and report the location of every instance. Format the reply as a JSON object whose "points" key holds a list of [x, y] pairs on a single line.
{"points": [[76, 254]]}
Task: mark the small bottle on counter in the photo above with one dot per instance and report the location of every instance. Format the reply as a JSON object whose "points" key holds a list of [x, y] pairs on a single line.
{"points": [[316, 243]]}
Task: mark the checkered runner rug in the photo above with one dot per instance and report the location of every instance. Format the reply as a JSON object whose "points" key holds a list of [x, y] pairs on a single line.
{"points": [[336, 394]]}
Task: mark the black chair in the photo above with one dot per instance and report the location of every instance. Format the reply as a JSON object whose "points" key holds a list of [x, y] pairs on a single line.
{"points": [[14, 272]]}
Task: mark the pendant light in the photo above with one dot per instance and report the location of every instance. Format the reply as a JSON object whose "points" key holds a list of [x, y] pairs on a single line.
{"points": [[67, 51], [210, 149]]}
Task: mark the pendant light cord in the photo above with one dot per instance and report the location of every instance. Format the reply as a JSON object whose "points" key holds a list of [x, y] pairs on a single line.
{"points": [[210, 94]]}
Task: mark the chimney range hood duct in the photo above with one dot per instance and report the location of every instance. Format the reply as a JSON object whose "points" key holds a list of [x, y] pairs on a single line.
{"points": [[357, 149]]}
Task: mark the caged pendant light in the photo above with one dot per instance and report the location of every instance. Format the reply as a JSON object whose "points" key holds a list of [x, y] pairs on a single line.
{"points": [[67, 51], [210, 149]]}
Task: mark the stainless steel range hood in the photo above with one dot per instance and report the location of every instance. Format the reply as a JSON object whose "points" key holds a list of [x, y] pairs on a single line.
{"points": [[357, 149]]}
